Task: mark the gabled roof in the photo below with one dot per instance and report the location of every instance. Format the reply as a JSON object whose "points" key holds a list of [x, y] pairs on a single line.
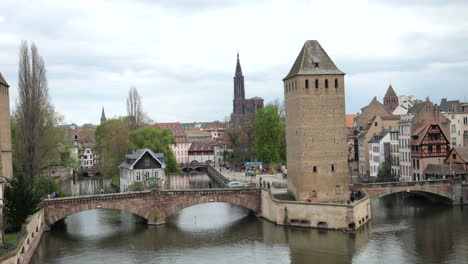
{"points": [[421, 132], [449, 106], [2, 80], [136, 156], [202, 146], [462, 153], [418, 106], [436, 169], [390, 92], [312, 60], [176, 130]]}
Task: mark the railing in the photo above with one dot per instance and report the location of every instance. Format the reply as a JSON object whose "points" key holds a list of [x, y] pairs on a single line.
{"points": [[10, 248], [217, 176]]}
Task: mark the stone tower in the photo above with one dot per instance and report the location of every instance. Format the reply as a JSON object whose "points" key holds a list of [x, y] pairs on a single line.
{"points": [[103, 115], [239, 90], [390, 99], [315, 127], [6, 165]]}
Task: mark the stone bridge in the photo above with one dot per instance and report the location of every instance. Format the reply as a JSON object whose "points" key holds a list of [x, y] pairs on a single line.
{"points": [[451, 190], [154, 206]]}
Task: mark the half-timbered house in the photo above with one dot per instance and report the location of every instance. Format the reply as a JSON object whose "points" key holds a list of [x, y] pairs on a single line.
{"points": [[429, 145]]}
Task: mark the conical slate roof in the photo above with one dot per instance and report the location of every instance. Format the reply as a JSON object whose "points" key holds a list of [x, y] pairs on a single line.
{"points": [[313, 60], [2, 80], [390, 92]]}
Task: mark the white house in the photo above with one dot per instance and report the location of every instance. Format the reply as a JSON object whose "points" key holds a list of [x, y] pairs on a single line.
{"points": [[140, 166], [88, 158], [377, 155]]}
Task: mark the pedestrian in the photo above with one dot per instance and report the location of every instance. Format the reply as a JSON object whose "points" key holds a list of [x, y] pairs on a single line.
{"points": [[260, 181], [268, 185], [102, 191]]}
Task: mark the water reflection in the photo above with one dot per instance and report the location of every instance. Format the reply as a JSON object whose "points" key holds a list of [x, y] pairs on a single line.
{"points": [[403, 230], [192, 180]]}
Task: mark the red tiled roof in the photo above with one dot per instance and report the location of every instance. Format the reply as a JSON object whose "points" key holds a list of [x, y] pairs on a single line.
{"points": [[202, 146], [350, 120], [176, 130]]}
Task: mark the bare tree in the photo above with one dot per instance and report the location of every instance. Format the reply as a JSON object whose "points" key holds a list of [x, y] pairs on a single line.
{"points": [[34, 112], [135, 110]]}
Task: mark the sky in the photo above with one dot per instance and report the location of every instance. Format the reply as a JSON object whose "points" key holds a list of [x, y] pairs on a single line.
{"points": [[181, 54]]}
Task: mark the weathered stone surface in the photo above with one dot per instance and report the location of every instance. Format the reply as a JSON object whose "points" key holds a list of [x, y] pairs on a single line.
{"points": [[155, 206]]}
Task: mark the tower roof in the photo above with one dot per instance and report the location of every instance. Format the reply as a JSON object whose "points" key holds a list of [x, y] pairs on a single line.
{"points": [[390, 92], [2, 80], [313, 60], [238, 66], [103, 115]]}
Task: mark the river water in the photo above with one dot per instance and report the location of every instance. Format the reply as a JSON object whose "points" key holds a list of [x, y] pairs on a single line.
{"points": [[403, 229]]}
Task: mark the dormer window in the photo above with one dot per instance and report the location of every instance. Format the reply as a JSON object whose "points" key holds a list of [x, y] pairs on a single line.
{"points": [[316, 64]]}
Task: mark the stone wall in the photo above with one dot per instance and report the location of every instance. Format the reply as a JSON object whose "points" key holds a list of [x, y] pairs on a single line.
{"points": [[34, 228], [316, 215]]}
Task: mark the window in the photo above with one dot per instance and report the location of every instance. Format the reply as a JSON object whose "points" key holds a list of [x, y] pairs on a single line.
{"points": [[315, 169], [417, 164], [375, 123], [430, 148], [147, 162], [454, 156], [307, 84], [454, 129], [465, 120], [336, 83], [316, 64], [337, 189], [316, 84], [326, 83], [332, 167]]}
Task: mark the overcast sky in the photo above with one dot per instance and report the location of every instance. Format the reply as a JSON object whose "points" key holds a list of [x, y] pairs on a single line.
{"points": [[181, 54]]}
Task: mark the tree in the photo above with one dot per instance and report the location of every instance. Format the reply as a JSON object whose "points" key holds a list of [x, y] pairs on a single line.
{"points": [[137, 117], [34, 113], [112, 143], [45, 185], [136, 187], [20, 201], [159, 141], [267, 134], [384, 171]]}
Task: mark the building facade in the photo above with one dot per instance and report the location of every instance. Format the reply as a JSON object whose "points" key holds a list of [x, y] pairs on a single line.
{"points": [[243, 109], [182, 146], [417, 116], [6, 160], [202, 152], [428, 146], [316, 135], [457, 112], [140, 166]]}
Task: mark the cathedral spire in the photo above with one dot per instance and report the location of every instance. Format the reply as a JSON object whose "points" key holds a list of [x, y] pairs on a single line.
{"points": [[103, 115], [238, 67]]}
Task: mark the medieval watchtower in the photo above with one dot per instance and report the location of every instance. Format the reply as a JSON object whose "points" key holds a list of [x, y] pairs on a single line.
{"points": [[315, 127], [6, 167]]}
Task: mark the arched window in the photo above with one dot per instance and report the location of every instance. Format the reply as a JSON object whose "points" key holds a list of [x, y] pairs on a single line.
{"points": [[316, 83], [336, 83], [326, 83], [307, 84]]}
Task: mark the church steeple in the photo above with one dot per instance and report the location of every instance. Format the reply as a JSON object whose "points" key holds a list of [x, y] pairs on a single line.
{"points": [[239, 92], [103, 115], [238, 67]]}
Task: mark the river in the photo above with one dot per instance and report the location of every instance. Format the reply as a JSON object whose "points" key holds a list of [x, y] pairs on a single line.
{"points": [[403, 229]]}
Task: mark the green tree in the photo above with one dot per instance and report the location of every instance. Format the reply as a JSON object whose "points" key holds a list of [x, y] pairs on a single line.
{"points": [[112, 143], [384, 171], [159, 141], [268, 134], [45, 185], [20, 201], [136, 187]]}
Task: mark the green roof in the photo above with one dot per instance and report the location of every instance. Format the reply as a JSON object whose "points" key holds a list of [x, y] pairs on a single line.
{"points": [[313, 60]]}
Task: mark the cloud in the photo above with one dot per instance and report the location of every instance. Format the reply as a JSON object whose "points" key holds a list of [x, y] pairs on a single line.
{"points": [[181, 55]]}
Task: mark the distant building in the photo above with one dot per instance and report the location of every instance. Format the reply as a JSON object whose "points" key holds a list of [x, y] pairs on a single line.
{"points": [[418, 116], [405, 102], [202, 152], [429, 145], [390, 99], [103, 115], [457, 112], [88, 158], [140, 166], [369, 112], [243, 109], [180, 149], [198, 135], [6, 161], [373, 127], [458, 155]]}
